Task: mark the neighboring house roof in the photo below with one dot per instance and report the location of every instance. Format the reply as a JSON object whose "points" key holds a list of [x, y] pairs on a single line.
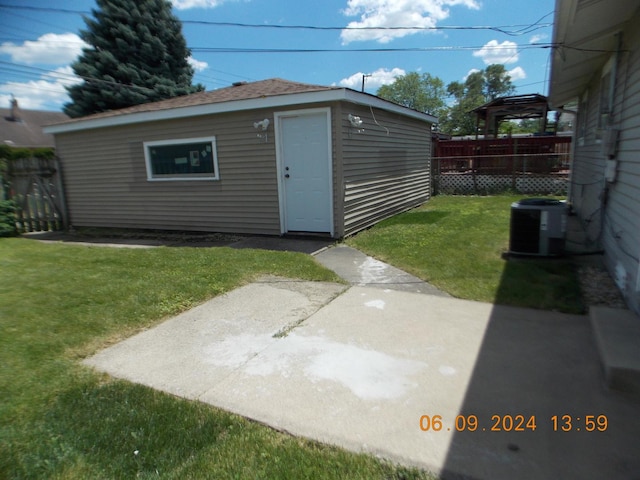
{"points": [[269, 93], [584, 36], [23, 128]]}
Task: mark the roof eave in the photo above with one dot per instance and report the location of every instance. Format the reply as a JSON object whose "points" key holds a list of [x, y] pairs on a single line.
{"points": [[584, 36], [274, 101]]}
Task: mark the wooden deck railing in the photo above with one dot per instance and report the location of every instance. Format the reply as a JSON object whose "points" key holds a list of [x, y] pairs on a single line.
{"points": [[524, 164]]}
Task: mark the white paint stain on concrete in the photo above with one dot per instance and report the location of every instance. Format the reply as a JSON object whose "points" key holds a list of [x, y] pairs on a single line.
{"points": [[369, 374], [379, 304], [372, 271], [446, 370], [237, 350]]}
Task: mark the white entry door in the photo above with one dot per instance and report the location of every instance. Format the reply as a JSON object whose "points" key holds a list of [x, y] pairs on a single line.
{"points": [[304, 169]]}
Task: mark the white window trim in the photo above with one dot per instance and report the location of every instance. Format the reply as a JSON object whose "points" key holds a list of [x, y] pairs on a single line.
{"points": [[181, 178]]}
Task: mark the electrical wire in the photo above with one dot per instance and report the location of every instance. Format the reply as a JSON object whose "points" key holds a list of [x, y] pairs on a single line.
{"points": [[358, 50], [75, 77], [521, 29]]}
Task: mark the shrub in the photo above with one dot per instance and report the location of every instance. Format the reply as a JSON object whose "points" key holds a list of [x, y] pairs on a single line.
{"points": [[8, 218]]}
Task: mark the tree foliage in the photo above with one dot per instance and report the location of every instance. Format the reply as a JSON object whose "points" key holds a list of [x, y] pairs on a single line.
{"points": [[427, 93], [424, 93], [480, 87], [136, 54]]}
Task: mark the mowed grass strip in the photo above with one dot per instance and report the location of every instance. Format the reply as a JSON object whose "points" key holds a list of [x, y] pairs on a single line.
{"points": [[456, 243], [58, 419]]}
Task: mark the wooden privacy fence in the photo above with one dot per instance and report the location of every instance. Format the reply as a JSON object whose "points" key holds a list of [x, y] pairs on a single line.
{"points": [[35, 185], [525, 165]]}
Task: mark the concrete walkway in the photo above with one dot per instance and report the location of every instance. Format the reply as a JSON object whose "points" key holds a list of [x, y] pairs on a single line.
{"points": [[366, 367]]}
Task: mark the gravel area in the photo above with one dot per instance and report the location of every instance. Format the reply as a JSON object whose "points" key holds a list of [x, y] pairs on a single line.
{"points": [[598, 288]]}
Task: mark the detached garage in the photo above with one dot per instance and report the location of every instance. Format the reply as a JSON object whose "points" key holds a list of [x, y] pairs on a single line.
{"points": [[272, 157]]}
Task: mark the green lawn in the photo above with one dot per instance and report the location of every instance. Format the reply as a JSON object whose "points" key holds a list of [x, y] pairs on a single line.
{"points": [[58, 419], [456, 243]]}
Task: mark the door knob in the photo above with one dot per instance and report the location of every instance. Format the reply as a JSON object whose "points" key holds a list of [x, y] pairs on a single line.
{"points": [[286, 175]]}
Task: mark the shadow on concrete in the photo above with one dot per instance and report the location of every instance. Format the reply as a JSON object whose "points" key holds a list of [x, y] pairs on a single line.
{"points": [[532, 367], [307, 245]]}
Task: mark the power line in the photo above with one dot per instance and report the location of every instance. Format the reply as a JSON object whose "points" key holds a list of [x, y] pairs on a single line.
{"points": [[501, 29], [362, 50], [68, 76], [520, 29]]}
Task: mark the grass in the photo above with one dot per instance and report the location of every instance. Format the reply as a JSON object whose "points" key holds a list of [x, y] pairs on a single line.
{"points": [[60, 420], [456, 243]]}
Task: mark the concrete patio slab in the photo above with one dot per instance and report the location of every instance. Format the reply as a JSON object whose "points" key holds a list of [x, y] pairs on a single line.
{"points": [[365, 370], [360, 269]]}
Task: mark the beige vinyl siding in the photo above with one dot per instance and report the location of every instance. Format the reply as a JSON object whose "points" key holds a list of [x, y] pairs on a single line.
{"points": [[621, 229], [375, 175], [106, 178], [386, 167], [338, 169], [588, 173], [611, 211]]}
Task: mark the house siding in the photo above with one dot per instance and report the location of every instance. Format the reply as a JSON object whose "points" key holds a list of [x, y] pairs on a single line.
{"points": [[375, 174], [386, 167], [610, 211], [107, 186]]}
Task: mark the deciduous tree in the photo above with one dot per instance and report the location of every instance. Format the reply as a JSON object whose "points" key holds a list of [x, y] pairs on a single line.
{"points": [[479, 88], [424, 93]]}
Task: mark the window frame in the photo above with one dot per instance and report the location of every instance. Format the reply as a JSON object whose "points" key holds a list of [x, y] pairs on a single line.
{"points": [[178, 177], [582, 119], [606, 91]]}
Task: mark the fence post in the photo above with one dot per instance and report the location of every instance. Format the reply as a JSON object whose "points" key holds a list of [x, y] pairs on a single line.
{"points": [[64, 213], [474, 166], [514, 182]]}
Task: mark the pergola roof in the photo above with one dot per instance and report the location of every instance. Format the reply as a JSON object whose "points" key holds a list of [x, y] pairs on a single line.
{"points": [[510, 108]]}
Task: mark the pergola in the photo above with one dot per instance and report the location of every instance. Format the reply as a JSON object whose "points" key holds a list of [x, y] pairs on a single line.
{"points": [[511, 108]]}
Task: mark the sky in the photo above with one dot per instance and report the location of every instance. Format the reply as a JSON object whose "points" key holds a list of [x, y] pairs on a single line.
{"points": [[328, 42]]}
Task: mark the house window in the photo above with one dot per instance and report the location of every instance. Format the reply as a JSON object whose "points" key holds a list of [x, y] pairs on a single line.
{"points": [[185, 159], [606, 96]]}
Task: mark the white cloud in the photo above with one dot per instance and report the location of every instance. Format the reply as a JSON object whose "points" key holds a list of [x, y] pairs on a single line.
{"points": [[49, 49], [537, 38], [494, 52], [473, 70], [197, 65], [396, 13], [517, 73], [46, 93], [187, 4], [374, 80]]}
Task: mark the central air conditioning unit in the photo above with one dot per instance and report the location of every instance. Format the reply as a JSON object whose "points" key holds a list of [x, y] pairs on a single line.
{"points": [[538, 227]]}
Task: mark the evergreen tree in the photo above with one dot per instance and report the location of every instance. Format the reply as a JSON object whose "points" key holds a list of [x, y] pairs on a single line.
{"points": [[136, 54]]}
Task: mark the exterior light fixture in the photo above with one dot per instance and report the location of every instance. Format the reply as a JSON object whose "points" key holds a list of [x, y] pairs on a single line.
{"points": [[355, 121], [262, 126]]}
